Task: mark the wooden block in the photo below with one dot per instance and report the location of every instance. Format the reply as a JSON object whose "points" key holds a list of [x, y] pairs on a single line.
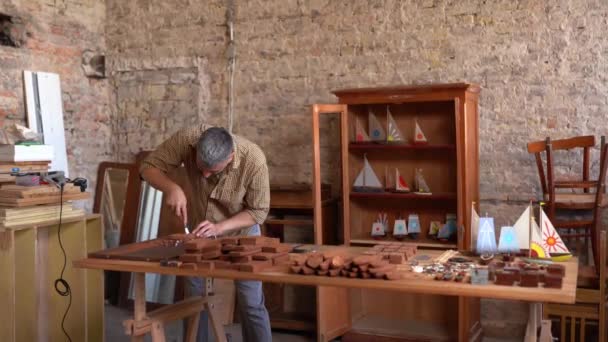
{"points": [[353, 274], [325, 265], [281, 259], [205, 265], [295, 269], [370, 253], [364, 268], [188, 265], [334, 272], [211, 255], [314, 261], [225, 257], [230, 240], [236, 266], [229, 248], [199, 244], [263, 256], [344, 272], [307, 270], [243, 248], [379, 263], [383, 269], [298, 259], [259, 241], [365, 275], [190, 258], [362, 260], [255, 266], [529, 279], [321, 272], [396, 258], [222, 265], [336, 262], [393, 276], [244, 253], [280, 248], [242, 259], [553, 281], [556, 269]]}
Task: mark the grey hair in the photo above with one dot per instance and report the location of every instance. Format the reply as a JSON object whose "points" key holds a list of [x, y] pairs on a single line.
{"points": [[214, 146]]}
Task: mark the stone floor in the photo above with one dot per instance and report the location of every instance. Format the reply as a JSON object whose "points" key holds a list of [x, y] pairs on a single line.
{"points": [[114, 330]]}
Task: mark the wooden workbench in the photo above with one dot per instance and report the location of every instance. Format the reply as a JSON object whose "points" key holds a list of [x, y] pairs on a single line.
{"points": [[411, 283]]}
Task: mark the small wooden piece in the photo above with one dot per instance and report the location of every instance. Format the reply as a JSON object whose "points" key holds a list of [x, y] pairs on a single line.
{"points": [[242, 259], [211, 255], [189, 265], [504, 277], [529, 279], [314, 261], [553, 281], [280, 259], [396, 258], [280, 248], [199, 244], [244, 253], [556, 269], [205, 265], [255, 266], [190, 258]]}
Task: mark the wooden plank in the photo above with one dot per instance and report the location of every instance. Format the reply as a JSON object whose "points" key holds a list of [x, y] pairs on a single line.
{"points": [[42, 255], [11, 190], [26, 286], [32, 221], [413, 283], [22, 202], [94, 279], [7, 285]]}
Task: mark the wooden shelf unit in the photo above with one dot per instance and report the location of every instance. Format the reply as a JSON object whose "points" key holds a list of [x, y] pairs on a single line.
{"points": [[448, 116]]}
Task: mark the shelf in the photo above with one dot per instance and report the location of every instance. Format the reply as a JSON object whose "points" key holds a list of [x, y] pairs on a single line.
{"points": [[290, 222], [422, 243], [293, 321], [398, 147], [371, 326], [378, 195]]}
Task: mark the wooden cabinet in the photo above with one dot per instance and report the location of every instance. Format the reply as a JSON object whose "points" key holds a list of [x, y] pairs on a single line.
{"points": [[447, 115], [291, 218]]}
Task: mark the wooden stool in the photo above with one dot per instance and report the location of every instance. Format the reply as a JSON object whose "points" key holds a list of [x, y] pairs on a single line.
{"points": [[154, 322]]}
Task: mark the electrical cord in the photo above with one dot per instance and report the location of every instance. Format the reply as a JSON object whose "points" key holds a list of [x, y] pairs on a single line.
{"points": [[66, 291]]}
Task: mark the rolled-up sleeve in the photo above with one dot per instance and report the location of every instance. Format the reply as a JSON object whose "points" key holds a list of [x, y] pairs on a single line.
{"points": [[169, 155], [257, 197]]}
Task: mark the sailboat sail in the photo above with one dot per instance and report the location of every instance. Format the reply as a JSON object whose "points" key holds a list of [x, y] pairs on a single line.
{"points": [[536, 244], [474, 225], [419, 137], [421, 185], [507, 243], [394, 133], [550, 239], [360, 134], [400, 184], [367, 178], [376, 132], [522, 229]]}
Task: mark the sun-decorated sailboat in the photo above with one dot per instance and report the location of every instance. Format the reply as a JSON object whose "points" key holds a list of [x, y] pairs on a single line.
{"points": [[550, 240], [367, 181], [419, 137], [360, 134], [376, 132], [394, 133], [421, 187]]}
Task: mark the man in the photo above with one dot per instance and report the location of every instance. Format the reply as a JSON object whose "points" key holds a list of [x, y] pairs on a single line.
{"points": [[228, 177]]}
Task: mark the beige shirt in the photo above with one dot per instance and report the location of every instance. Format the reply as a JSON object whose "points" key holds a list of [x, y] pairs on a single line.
{"points": [[242, 185]]}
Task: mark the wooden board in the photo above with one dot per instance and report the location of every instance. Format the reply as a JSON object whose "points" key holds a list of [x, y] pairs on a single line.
{"points": [[20, 191], [30, 221], [412, 283], [23, 202], [150, 250]]}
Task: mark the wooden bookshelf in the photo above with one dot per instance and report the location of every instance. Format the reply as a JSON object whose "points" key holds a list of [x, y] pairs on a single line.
{"points": [[447, 114]]}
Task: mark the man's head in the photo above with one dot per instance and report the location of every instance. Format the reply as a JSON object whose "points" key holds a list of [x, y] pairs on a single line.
{"points": [[214, 151]]}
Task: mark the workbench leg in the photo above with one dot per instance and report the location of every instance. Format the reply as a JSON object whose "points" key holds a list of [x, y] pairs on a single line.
{"points": [[216, 324], [534, 319], [158, 332], [139, 285], [192, 327]]}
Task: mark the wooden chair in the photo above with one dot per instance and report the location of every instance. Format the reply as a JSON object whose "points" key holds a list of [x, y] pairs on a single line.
{"points": [[590, 305], [585, 200]]}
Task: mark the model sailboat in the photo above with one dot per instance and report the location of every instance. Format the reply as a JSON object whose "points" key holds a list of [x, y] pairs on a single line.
{"points": [[400, 228], [486, 240], [376, 132], [507, 243], [542, 242], [394, 133], [421, 186], [367, 181], [550, 240], [413, 223], [360, 134], [419, 137], [400, 183], [474, 226]]}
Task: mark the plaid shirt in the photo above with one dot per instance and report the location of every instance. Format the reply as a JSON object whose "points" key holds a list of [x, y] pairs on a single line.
{"points": [[242, 185]]}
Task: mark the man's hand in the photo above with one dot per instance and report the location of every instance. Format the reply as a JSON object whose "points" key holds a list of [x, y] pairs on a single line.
{"points": [[176, 200], [208, 229]]}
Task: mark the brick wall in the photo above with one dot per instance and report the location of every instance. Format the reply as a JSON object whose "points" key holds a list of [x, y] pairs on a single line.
{"points": [[56, 33]]}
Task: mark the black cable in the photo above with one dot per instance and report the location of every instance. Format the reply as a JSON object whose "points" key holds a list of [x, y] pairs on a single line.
{"points": [[66, 291]]}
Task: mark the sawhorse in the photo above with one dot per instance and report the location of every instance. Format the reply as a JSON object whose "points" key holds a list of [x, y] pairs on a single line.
{"points": [[154, 322]]}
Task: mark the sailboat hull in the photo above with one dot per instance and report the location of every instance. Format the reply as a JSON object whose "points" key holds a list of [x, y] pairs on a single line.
{"points": [[561, 257]]}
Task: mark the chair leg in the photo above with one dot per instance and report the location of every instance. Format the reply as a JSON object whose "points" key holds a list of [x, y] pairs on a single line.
{"points": [[583, 328], [602, 322]]}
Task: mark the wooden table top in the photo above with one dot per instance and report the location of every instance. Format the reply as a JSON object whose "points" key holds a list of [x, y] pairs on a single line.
{"points": [[411, 283]]}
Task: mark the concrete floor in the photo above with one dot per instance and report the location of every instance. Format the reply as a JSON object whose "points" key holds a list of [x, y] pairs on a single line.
{"points": [[114, 331]]}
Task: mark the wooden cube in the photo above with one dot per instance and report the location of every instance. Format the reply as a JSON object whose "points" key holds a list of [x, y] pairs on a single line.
{"points": [[190, 258]]}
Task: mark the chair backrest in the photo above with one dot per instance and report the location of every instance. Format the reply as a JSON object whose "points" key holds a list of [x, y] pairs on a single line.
{"points": [[548, 146]]}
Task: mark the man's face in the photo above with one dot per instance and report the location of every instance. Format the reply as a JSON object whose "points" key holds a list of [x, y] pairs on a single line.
{"points": [[215, 169]]}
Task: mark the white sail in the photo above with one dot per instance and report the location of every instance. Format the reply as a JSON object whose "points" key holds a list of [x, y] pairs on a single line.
{"points": [[419, 136], [376, 132], [474, 226], [400, 227], [370, 179], [360, 134], [400, 184], [522, 229], [360, 179], [394, 133], [551, 240]]}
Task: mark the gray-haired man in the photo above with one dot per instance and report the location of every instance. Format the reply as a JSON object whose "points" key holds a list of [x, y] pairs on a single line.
{"points": [[228, 176]]}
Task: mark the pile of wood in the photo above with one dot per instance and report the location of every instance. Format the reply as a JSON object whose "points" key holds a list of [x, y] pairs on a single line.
{"points": [[23, 196], [241, 253], [9, 168], [16, 218], [362, 266], [396, 252]]}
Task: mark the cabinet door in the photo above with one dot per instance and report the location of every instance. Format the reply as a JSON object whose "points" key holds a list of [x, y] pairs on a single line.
{"points": [[333, 304]]}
